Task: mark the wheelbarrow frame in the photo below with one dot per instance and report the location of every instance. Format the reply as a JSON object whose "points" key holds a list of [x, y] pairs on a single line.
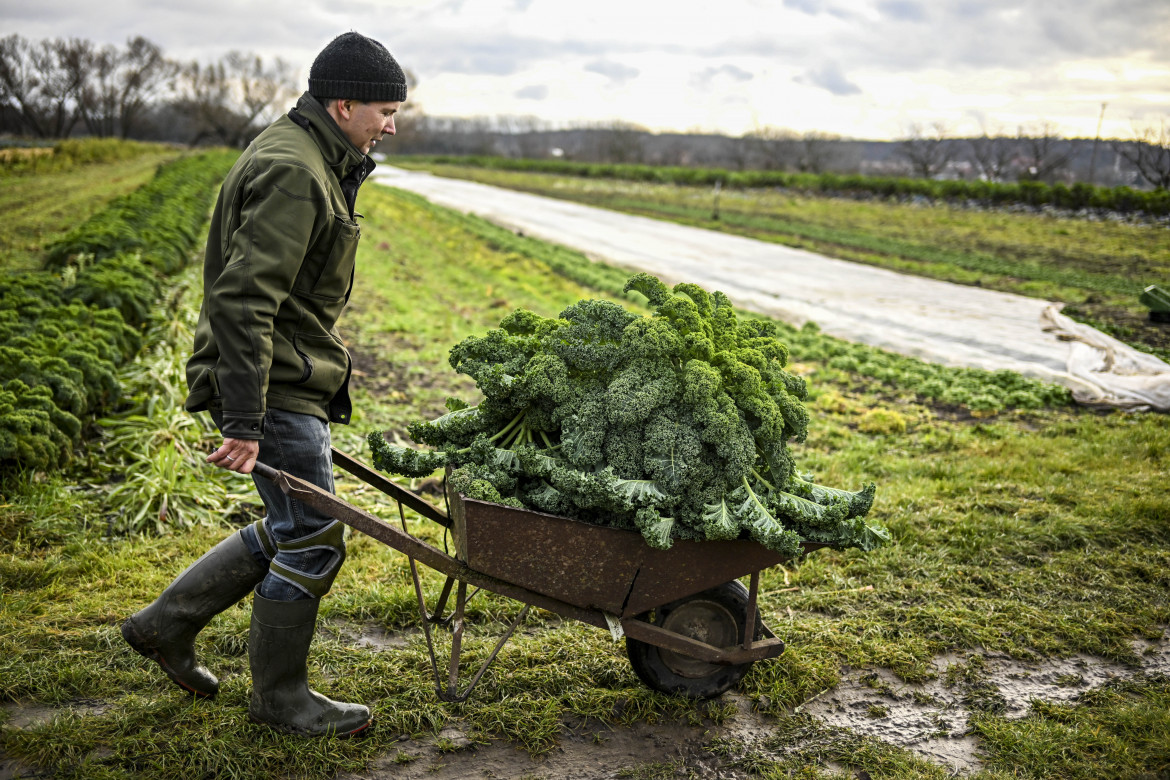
{"points": [[604, 577]]}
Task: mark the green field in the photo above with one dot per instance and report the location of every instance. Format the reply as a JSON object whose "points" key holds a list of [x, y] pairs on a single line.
{"points": [[1034, 533], [1097, 268], [38, 209]]}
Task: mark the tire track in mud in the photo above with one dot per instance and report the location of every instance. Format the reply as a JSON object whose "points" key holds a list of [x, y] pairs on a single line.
{"points": [[929, 719]]}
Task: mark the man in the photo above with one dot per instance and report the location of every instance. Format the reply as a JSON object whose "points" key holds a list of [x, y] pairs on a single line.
{"points": [[270, 367]]}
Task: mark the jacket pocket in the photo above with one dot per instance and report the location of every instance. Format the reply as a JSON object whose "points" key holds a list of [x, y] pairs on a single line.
{"points": [[325, 363], [333, 281]]}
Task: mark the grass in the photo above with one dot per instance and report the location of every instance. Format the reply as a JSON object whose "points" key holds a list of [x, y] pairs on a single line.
{"points": [[39, 209], [1032, 533], [1097, 268]]}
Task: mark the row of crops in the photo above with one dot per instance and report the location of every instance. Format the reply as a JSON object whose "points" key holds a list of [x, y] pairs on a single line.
{"points": [[893, 375], [1123, 200], [33, 160], [66, 330]]}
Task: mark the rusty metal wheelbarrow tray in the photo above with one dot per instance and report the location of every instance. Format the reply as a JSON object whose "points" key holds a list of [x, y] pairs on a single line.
{"points": [[594, 567], [605, 577]]}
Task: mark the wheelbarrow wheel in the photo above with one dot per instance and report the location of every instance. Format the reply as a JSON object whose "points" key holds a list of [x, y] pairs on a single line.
{"points": [[716, 616]]}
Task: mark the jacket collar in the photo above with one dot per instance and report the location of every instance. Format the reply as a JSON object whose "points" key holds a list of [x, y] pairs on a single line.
{"points": [[339, 152]]}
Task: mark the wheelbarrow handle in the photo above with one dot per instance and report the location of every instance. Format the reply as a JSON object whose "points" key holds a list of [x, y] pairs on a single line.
{"points": [[373, 479], [266, 471]]}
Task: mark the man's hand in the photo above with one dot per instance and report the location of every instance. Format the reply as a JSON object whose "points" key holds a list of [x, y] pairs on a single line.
{"points": [[237, 455]]}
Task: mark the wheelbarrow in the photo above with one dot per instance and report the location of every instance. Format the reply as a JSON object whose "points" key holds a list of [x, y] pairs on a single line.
{"points": [[683, 613]]}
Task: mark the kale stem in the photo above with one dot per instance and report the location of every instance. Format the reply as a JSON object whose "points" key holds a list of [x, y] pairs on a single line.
{"points": [[510, 426], [547, 442], [758, 476]]}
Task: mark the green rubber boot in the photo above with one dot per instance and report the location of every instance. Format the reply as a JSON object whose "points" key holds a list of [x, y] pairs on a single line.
{"points": [[165, 630], [278, 648]]}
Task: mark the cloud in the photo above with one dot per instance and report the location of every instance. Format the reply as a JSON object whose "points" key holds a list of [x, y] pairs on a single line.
{"points": [[614, 71], [829, 77], [532, 92], [1003, 34], [902, 10], [805, 6], [704, 77], [435, 53]]}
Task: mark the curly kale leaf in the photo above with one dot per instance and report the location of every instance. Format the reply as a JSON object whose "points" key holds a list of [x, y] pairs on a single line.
{"points": [[468, 483], [406, 461], [455, 426], [719, 521], [656, 530], [761, 525], [639, 492], [859, 502]]}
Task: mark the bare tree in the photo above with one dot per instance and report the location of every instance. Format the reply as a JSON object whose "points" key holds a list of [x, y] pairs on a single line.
{"points": [[772, 148], [1149, 153], [621, 142], [98, 99], [61, 80], [993, 155], [118, 87], [740, 151], [230, 101], [819, 151], [1047, 153], [928, 151], [37, 86], [145, 74]]}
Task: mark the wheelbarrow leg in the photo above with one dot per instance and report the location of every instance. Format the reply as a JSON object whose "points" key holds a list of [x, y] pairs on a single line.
{"points": [[456, 641], [451, 691], [750, 618]]}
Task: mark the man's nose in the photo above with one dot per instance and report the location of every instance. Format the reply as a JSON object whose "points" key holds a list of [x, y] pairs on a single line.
{"points": [[388, 128]]}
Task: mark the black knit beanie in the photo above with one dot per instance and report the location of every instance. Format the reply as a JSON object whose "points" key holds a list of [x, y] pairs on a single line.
{"points": [[354, 67]]}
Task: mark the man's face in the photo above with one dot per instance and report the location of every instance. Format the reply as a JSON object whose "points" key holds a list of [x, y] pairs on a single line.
{"points": [[365, 123]]}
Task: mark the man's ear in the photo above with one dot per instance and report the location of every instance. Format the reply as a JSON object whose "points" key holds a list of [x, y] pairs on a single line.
{"points": [[344, 108]]}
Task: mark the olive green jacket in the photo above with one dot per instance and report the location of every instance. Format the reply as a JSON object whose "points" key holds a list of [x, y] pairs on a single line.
{"points": [[277, 273]]}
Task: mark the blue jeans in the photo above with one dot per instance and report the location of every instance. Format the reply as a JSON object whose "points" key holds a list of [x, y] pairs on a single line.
{"points": [[297, 444]]}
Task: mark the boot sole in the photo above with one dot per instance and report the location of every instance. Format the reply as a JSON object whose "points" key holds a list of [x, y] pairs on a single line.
{"points": [[283, 729], [139, 645]]}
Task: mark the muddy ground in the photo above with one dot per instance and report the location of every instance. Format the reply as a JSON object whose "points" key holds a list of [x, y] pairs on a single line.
{"points": [[929, 719]]}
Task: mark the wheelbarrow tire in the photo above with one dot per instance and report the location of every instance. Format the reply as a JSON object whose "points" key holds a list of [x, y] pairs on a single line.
{"points": [[722, 614]]}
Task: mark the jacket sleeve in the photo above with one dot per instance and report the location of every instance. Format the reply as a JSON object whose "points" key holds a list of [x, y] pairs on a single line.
{"points": [[279, 218]]}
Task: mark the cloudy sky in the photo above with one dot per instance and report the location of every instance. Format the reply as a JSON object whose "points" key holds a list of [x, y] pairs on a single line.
{"points": [[858, 68]]}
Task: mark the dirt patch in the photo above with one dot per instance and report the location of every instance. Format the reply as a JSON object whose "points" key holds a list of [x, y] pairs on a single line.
{"points": [[384, 376], [584, 752], [928, 719], [27, 715]]}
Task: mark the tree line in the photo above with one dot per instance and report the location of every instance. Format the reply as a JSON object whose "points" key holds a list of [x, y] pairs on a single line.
{"points": [[1031, 154], [57, 88]]}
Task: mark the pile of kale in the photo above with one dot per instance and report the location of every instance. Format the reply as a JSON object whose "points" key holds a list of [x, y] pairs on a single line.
{"points": [[675, 424]]}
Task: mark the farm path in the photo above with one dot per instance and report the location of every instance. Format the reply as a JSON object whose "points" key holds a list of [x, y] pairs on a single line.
{"points": [[936, 321]]}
